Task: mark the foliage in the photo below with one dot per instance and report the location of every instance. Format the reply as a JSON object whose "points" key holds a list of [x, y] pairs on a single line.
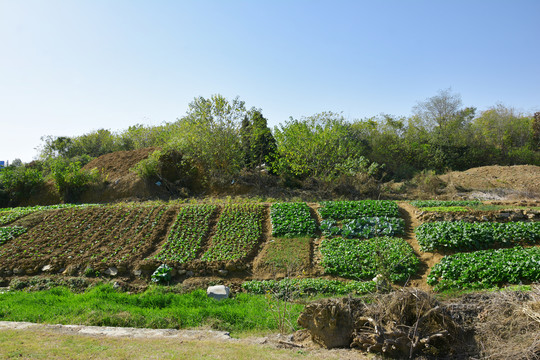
{"points": [[291, 220], [162, 275], [20, 182], [486, 268], [444, 203], [8, 233], [364, 259], [210, 135], [239, 229], [315, 146], [461, 235], [258, 143], [364, 227], [70, 179], [306, 287], [339, 210], [185, 238]]}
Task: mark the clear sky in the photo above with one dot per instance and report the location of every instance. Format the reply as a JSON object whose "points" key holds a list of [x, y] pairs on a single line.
{"points": [[68, 67]]}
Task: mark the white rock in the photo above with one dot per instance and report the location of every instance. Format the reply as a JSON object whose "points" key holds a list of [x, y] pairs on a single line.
{"points": [[218, 292], [46, 268], [112, 271]]}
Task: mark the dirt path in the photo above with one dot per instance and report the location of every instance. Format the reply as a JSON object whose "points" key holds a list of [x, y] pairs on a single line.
{"points": [[427, 259], [297, 344]]}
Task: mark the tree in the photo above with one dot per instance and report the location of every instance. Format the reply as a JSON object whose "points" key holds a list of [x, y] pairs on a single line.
{"points": [[210, 135], [535, 140], [439, 110], [316, 146], [262, 143]]}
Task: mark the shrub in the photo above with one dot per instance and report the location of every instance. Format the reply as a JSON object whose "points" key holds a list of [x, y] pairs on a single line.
{"points": [[70, 179]]}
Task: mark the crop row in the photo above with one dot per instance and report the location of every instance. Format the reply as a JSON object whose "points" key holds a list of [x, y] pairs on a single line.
{"points": [[486, 268], [444, 203], [8, 215], [239, 229], [291, 220], [8, 233], [187, 233], [339, 210], [300, 287], [364, 259], [364, 228], [460, 235]]}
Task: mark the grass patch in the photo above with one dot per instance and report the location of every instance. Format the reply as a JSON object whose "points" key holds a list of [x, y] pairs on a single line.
{"points": [[284, 254], [42, 344], [155, 308]]}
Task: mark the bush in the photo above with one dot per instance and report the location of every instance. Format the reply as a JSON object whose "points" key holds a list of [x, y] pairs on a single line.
{"points": [[70, 179], [19, 183]]}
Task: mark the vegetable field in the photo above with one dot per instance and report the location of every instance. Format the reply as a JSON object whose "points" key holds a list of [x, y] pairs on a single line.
{"points": [[356, 240]]}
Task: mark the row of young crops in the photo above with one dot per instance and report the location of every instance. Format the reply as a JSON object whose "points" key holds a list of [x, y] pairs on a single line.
{"points": [[485, 254]]}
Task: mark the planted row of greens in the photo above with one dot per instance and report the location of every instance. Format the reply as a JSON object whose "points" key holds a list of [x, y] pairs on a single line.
{"points": [[8, 215], [364, 228], [9, 232], [444, 203], [364, 259], [187, 233], [461, 235], [292, 220], [239, 230], [486, 268], [302, 287], [339, 210]]}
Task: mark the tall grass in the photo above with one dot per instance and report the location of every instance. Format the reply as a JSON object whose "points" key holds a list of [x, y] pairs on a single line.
{"points": [[155, 308]]}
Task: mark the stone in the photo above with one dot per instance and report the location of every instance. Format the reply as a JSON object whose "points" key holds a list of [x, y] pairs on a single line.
{"points": [[137, 272], [218, 292], [181, 272], [223, 272], [112, 271], [46, 268], [116, 285]]}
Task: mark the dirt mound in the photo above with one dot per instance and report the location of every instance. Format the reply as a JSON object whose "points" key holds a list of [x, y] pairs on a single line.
{"points": [[116, 165], [498, 180], [120, 182]]}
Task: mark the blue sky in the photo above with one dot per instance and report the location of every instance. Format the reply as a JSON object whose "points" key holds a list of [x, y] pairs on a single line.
{"points": [[68, 67]]}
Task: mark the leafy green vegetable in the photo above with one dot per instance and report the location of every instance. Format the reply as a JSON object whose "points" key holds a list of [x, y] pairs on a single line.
{"points": [[364, 228], [302, 287], [187, 233], [239, 229], [291, 220], [339, 210], [364, 259], [8, 233], [486, 268], [461, 235]]}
